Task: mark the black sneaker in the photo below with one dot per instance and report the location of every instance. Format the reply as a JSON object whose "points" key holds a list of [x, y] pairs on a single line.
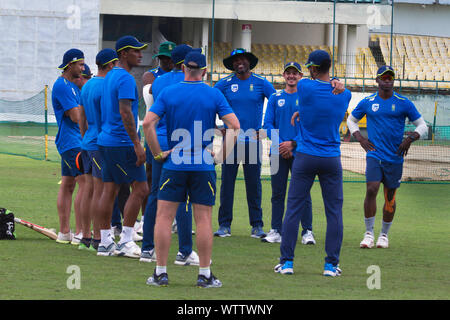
{"points": [[211, 282], [161, 281]]}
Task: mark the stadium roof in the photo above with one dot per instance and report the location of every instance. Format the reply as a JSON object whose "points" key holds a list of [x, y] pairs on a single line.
{"points": [[250, 10]]}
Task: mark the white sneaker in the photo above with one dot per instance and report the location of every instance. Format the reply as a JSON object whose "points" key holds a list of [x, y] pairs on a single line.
{"points": [[64, 238], [272, 237], [148, 256], [76, 239], [136, 236], [128, 249], [383, 241], [138, 226], [308, 238], [108, 251], [191, 260], [367, 242]]}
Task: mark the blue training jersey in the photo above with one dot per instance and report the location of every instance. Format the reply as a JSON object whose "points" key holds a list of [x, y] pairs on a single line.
{"points": [[118, 85], [246, 98], [386, 123], [190, 108], [91, 95], [65, 96], [158, 71], [321, 113], [280, 108], [169, 78]]}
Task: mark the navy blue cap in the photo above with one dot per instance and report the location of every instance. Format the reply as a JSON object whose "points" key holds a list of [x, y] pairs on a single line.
{"points": [[195, 60], [316, 58], [180, 51], [384, 69], [72, 55], [129, 42], [106, 56], [87, 71], [292, 64]]}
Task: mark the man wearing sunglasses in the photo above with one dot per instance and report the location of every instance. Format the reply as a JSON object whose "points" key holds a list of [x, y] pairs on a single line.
{"points": [[245, 92], [386, 113]]}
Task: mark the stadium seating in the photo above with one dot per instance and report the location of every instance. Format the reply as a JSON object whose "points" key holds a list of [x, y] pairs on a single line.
{"points": [[418, 60]]}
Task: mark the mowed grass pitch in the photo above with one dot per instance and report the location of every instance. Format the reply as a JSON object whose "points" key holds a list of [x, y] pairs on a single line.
{"points": [[414, 267]]}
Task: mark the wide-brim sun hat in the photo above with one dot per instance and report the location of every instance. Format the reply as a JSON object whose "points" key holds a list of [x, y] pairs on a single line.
{"points": [[228, 61]]}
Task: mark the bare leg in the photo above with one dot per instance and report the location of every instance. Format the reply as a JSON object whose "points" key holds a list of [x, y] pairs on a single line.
{"points": [[80, 180], [389, 204], [64, 202], [86, 205], [204, 238], [163, 229], [139, 190], [97, 193], [370, 202]]}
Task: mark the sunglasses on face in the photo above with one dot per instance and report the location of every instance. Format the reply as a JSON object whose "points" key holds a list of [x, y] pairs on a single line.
{"points": [[387, 77]]}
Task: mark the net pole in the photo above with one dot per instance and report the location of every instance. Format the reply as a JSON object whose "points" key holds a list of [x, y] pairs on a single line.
{"points": [[212, 40], [334, 32], [46, 121], [434, 123]]}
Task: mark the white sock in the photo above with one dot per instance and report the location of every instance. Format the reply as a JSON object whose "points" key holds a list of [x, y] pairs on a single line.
{"points": [[106, 239], [205, 272], [369, 224], [160, 269], [126, 235], [385, 226]]}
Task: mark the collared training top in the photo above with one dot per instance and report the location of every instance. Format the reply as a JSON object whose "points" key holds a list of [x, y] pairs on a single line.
{"points": [[65, 96], [91, 95], [118, 84], [246, 98], [386, 123], [190, 108], [321, 113]]}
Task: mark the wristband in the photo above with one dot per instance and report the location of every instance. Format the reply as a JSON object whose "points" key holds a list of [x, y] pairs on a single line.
{"points": [[412, 137], [158, 156]]}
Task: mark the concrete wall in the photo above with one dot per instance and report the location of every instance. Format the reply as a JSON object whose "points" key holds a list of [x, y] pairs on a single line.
{"points": [[34, 36], [431, 20]]}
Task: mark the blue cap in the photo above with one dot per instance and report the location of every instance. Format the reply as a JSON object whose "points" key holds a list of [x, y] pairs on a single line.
{"points": [[129, 42], [180, 51], [106, 56], [195, 60], [292, 64], [316, 58], [72, 55], [384, 69], [87, 71]]}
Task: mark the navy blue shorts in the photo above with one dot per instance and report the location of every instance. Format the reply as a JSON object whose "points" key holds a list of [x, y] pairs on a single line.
{"points": [[119, 165], [200, 186], [390, 174], [92, 162], [68, 163]]}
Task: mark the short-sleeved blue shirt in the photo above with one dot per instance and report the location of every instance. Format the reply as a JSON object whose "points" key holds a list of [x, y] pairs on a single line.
{"points": [[163, 81], [280, 108], [246, 98], [386, 123], [321, 113], [158, 71], [118, 85], [190, 108], [91, 95], [65, 96]]}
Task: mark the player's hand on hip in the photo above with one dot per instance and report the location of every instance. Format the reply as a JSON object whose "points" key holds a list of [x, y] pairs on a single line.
{"points": [[140, 154], [338, 86]]}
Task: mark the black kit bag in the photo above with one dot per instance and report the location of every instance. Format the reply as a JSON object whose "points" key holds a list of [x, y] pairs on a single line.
{"points": [[7, 226]]}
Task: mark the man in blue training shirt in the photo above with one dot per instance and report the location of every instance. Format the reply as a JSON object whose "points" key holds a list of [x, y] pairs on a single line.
{"points": [[318, 153], [66, 105], [245, 92], [386, 113], [277, 121], [165, 65], [90, 127], [120, 147], [185, 255], [190, 108]]}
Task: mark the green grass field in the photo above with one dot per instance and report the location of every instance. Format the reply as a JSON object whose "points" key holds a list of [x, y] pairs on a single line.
{"points": [[414, 267]]}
